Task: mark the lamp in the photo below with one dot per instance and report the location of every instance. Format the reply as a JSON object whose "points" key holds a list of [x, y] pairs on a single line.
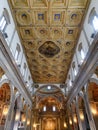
{"points": [[75, 119], [65, 125], [70, 121], [28, 122], [81, 115], [93, 108], [17, 116], [23, 118], [34, 125], [5, 111]]}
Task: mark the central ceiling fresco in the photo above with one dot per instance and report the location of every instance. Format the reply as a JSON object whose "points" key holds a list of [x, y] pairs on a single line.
{"points": [[49, 30]]}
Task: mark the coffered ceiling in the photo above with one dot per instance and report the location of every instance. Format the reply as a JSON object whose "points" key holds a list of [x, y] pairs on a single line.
{"points": [[49, 30]]}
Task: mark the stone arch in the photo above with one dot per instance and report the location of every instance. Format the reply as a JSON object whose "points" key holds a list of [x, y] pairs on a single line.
{"points": [[6, 99], [49, 85], [92, 90]]}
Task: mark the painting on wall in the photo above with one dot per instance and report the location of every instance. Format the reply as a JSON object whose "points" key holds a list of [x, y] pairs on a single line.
{"points": [[49, 123]]}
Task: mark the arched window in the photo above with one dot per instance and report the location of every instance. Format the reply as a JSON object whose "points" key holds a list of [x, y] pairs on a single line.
{"points": [[95, 23], [70, 82], [80, 49], [18, 50], [24, 69], [2, 23], [44, 108], [54, 108], [74, 69], [93, 19], [4, 20]]}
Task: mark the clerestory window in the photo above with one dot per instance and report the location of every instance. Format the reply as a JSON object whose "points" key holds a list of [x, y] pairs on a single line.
{"points": [[4, 20], [93, 19]]}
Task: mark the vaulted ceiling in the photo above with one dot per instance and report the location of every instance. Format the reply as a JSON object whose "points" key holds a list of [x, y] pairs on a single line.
{"points": [[50, 96], [49, 30]]}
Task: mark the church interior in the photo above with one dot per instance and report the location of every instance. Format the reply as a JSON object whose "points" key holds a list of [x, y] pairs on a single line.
{"points": [[48, 64]]}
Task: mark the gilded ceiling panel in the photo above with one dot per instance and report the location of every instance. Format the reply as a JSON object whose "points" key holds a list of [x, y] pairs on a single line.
{"points": [[74, 17], [59, 3], [41, 17], [20, 3], [49, 30], [77, 3], [24, 17], [71, 33], [58, 17], [26, 33], [39, 3], [42, 32], [56, 33]]}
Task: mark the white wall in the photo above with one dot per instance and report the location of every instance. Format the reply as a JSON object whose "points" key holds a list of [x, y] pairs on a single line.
{"points": [[12, 41], [85, 39]]}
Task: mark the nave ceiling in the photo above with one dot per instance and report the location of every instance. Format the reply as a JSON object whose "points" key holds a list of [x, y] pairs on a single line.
{"points": [[49, 30]]}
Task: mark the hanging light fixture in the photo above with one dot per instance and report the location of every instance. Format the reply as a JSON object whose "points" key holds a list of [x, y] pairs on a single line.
{"points": [[75, 119], [28, 122], [65, 125], [81, 115], [93, 108], [17, 116], [34, 125], [23, 117], [5, 111], [70, 121]]}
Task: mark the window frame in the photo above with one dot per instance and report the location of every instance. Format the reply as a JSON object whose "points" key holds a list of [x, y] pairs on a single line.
{"points": [[6, 18], [91, 17], [81, 52], [94, 24], [3, 25]]}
